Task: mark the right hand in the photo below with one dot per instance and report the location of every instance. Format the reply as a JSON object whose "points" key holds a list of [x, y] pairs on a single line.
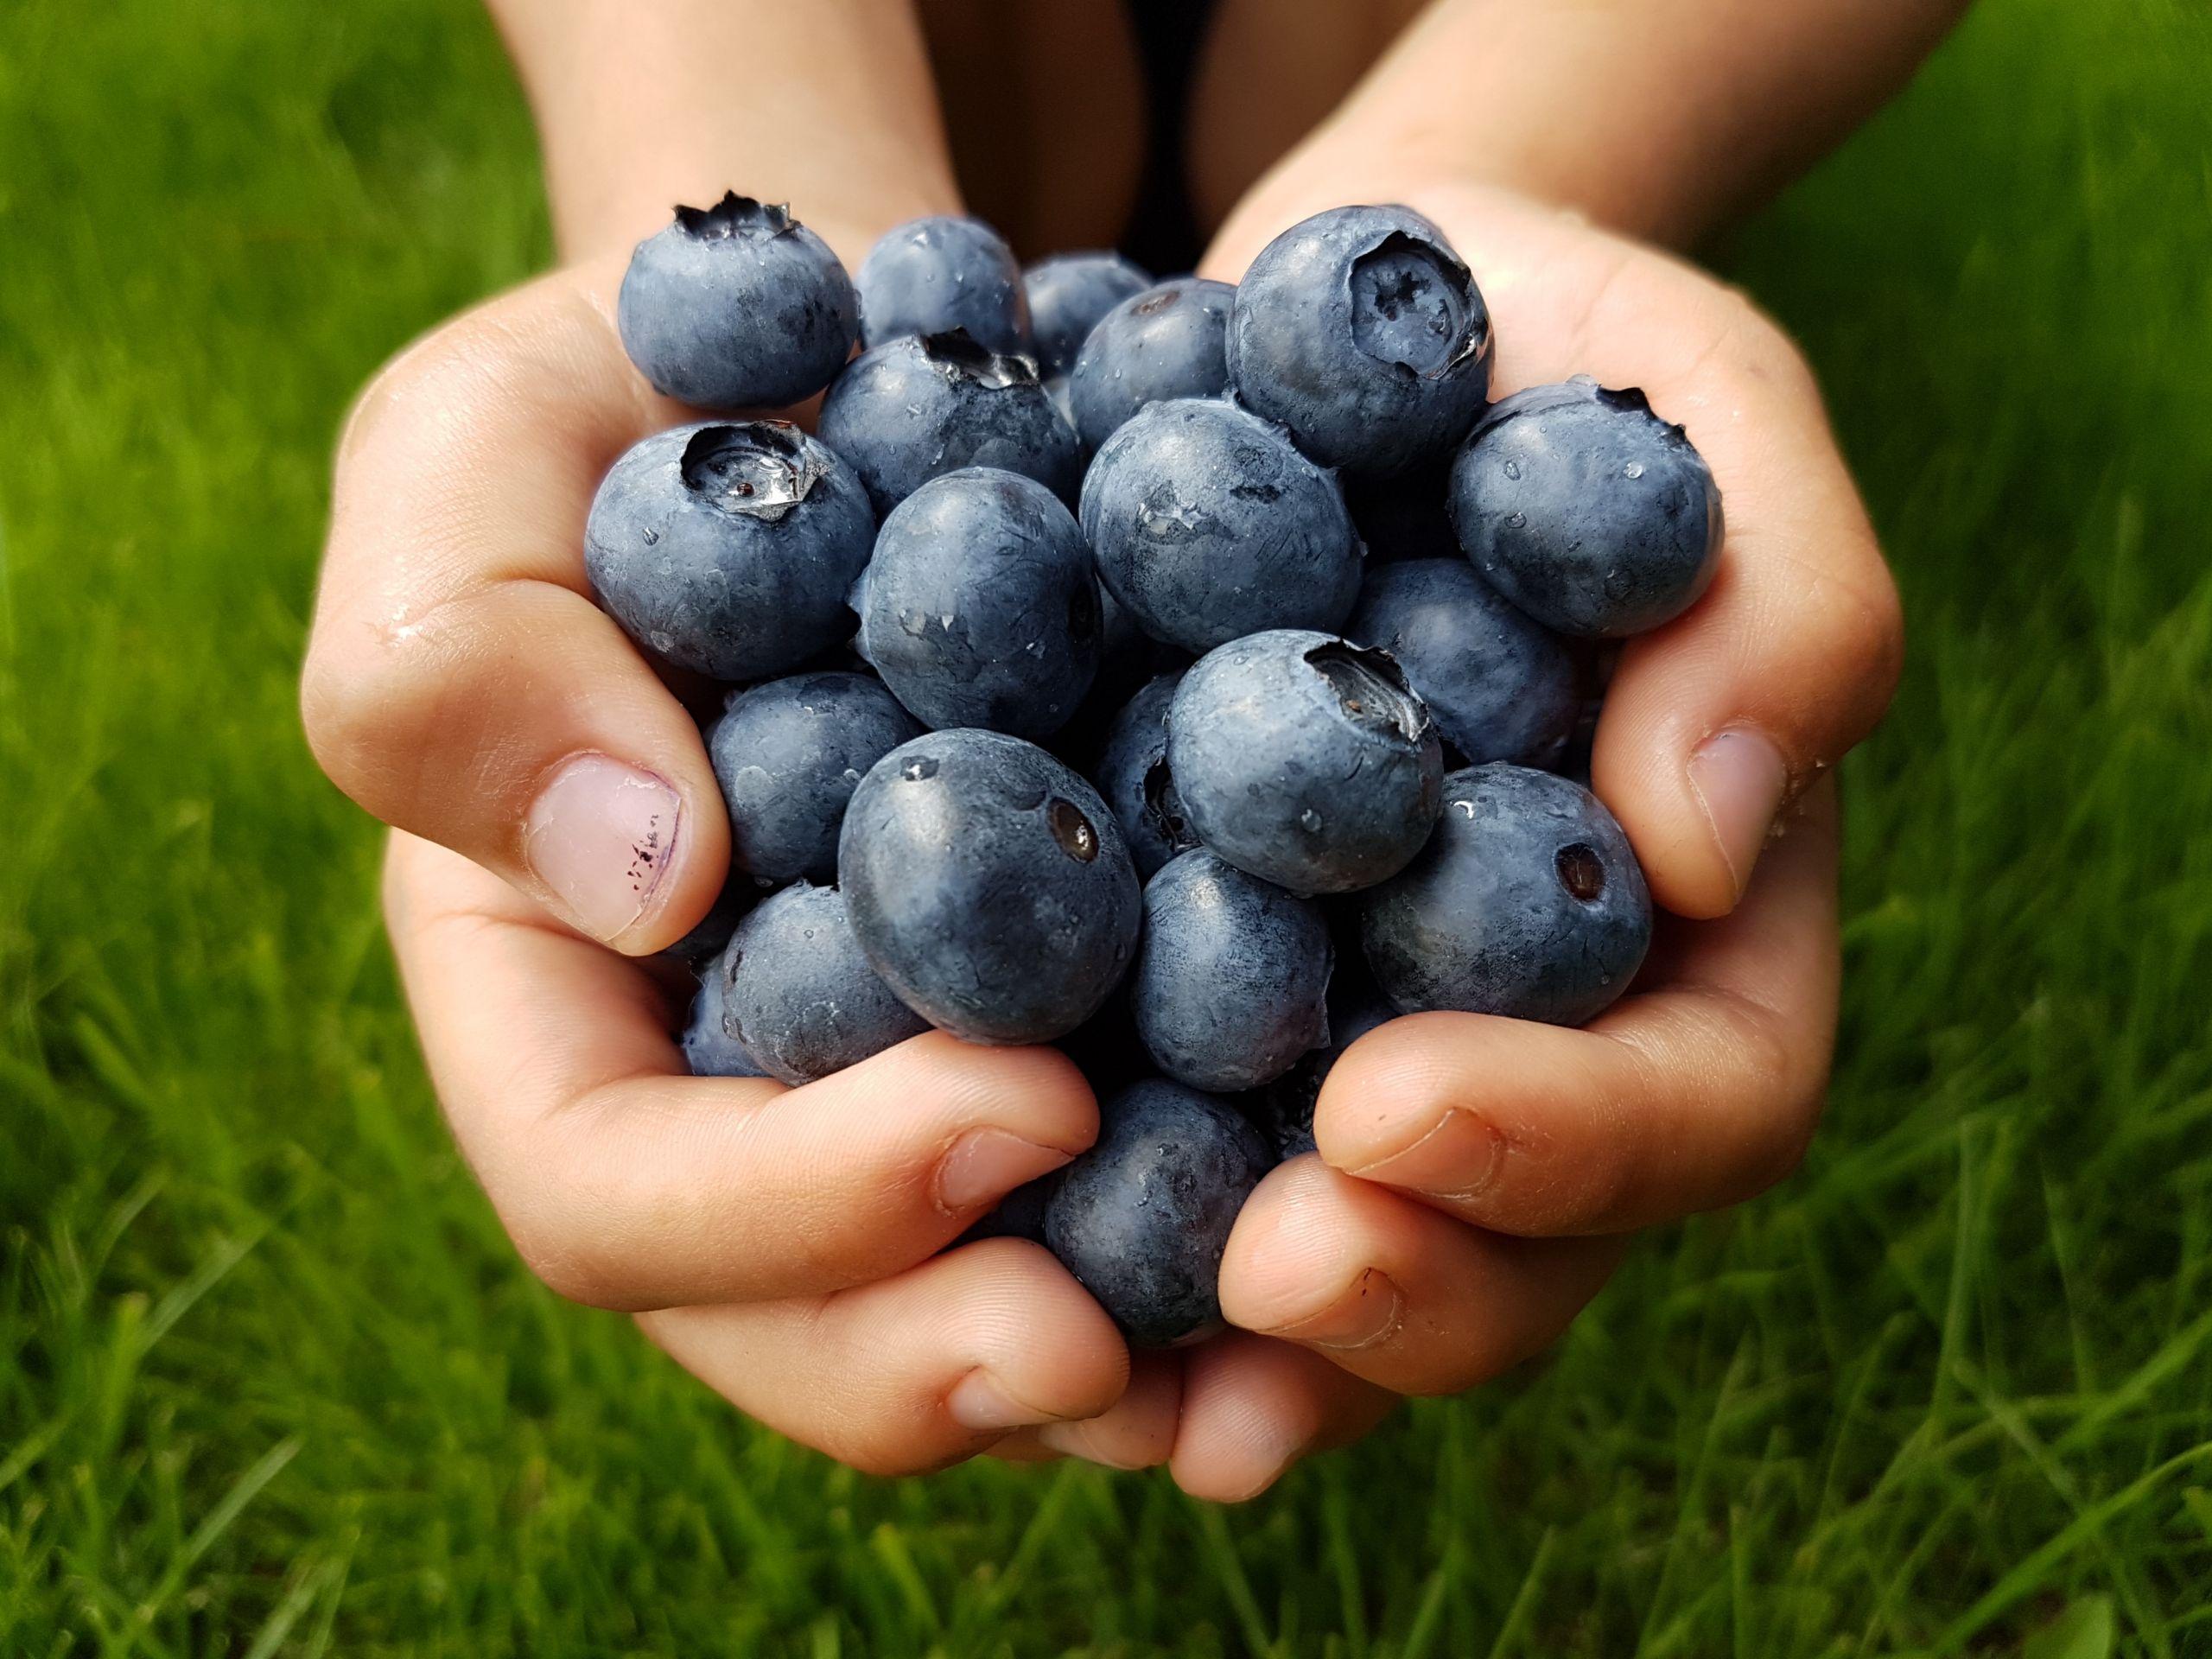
{"points": [[556, 820]]}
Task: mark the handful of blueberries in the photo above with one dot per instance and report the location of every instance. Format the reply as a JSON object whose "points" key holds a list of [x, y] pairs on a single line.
{"points": [[1188, 675]]}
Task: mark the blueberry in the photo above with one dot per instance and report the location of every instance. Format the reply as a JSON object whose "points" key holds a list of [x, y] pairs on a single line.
{"points": [[1526, 902], [1067, 295], [709, 1049], [1361, 331], [1142, 1217], [697, 948], [932, 276], [727, 548], [1163, 343], [788, 755], [1499, 685], [1586, 509], [1132, 775], [1305, 761], [990, 885], [798, 996], [979, 606], [1407, 516], [1231, 980], [1209, 525], [903, 413], [737, 306], [1284, 1109]]}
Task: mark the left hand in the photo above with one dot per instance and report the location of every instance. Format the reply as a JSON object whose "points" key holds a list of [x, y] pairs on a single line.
{"points": [[1478, 1176]]}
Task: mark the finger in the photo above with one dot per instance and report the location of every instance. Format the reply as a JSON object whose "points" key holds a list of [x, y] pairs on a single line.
{"points": [[461, 683], [1136, 1432], [1392, 1291], [916, 1371], [1252, 1407], [1714, 721], [625, 1184], [1694, 1094]]}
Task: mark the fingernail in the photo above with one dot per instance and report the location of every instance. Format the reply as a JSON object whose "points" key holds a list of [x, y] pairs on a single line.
{"points": [[1363, 1315], [1456, 1159], [1073, 1441], [986, 1164], [1739, 779], [978, 1403], [600, 836]]}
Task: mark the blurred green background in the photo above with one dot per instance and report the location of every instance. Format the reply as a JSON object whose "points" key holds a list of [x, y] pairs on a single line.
{"points": [[271, 1382]]}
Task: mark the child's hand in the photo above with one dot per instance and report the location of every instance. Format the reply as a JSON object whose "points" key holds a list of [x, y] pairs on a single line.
{"points": [[462, 686], [1479, 1172]]}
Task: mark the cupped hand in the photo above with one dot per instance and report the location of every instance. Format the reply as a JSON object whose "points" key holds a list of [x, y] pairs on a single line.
{"points": [[1476, 1176], [551, 799]]}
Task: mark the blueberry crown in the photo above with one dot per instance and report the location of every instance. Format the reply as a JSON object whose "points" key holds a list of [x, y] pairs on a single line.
{"points": [[962, 356], [736, 216]]}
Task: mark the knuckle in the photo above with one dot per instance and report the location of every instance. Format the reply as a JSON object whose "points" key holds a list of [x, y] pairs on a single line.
{"points": [[369, 701]]}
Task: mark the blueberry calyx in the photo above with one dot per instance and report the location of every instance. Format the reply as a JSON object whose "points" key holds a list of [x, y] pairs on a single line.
{"points": [[734, 216], [1164, 808], [1073, 831], [760, 468], [962, 357], [1372, 691], [1397, 274], [1581, 872]]}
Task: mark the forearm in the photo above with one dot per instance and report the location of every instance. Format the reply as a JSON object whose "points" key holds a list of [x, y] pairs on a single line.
{"points": [[1662, 118], [642, 103]]}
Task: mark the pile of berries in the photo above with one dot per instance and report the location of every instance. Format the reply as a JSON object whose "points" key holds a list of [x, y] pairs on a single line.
{"points": [[1191, 675]]}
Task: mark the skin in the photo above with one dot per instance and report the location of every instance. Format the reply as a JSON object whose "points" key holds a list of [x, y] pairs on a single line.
{"points": [[1475, 1176]]}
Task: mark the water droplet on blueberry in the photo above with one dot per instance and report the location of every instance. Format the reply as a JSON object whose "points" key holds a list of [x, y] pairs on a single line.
{"points": [[920, 767]]}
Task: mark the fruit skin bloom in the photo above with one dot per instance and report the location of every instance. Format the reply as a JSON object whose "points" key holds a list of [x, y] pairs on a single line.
{"points": [[1231, 981], [1142, 1218], [1526, 902], [1305, 761], [1587, 510], [979, 606], [1208, 525], [932, 276], [989, 886], [1068, 294], [917, 408], [727, 548], [737, 306], [1166, 342], [1500, 685]]}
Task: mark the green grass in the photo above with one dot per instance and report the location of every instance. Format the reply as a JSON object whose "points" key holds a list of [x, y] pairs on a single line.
{"points": [[272, 1383]]}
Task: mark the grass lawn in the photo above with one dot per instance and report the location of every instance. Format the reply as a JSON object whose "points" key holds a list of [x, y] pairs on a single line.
{"points": [[271, 1382]]}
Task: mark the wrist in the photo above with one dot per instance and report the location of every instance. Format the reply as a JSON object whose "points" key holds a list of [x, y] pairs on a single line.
{"points": [[641, 107]]}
